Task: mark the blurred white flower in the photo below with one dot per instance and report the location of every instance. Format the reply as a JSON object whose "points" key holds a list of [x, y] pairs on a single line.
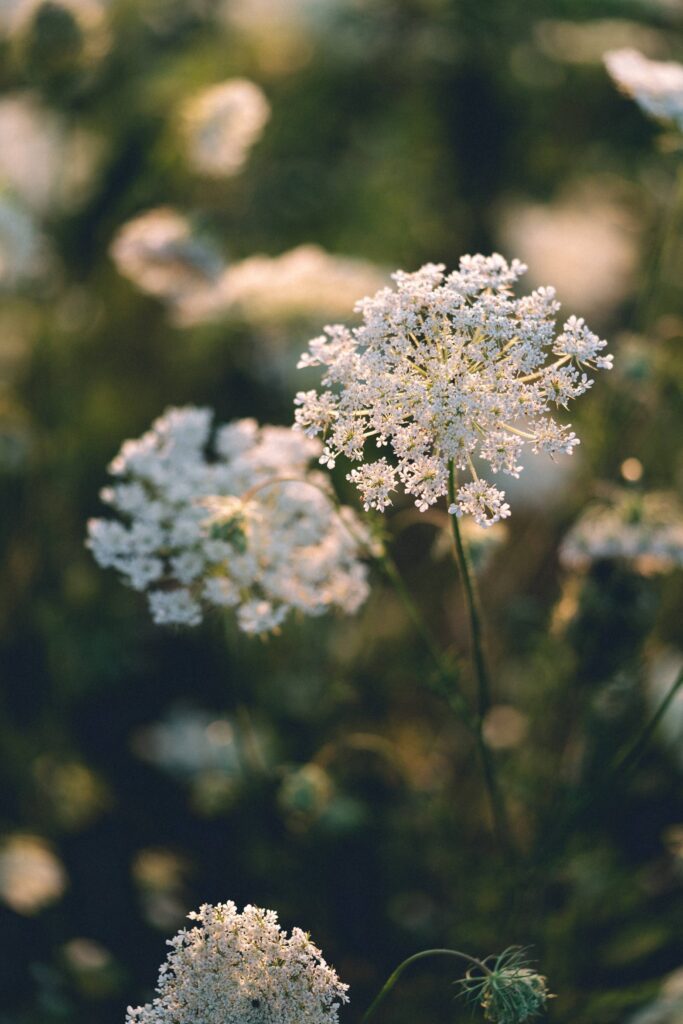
{"points": [[645, 530], [281, 33], [445, 369], [304, 283], [188, 741], [159, 876], [86, 955], [667, 1006], [90, 17], [162, 255], [23, 249], [31, 876], [585, 239], [585, 42], [49, 165], [242, 968], [235, 520], [656, 86], [221, 124]]}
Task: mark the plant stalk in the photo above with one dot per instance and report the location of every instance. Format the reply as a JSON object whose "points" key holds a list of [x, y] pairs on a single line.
{"points": [[500, 817], [393, 978]]}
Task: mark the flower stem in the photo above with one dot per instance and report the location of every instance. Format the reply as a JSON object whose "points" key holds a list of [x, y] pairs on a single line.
{"points": [[393, 978], [632, 755], [621, 766], [500, 818], [447, 674]]}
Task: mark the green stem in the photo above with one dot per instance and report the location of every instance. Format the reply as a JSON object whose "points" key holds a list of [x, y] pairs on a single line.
{"points": [[393, 978], [662, 246], [447, 675], [622, 764], [472, 603], [500, 817], [632, 755]]}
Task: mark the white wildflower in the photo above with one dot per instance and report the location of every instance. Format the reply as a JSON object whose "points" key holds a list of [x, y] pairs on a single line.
{"points": [[222, 123], [597, 259], [656, 86], [234, 519], [175, 607], [162, 255], [645, 530], [442, 370], [31, 875], [188, 741], [46, 162], [300, 284], [242, 968], [24, 254]]}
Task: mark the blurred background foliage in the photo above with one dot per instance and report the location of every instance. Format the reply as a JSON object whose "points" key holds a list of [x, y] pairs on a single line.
{"points": [[147, 771]]}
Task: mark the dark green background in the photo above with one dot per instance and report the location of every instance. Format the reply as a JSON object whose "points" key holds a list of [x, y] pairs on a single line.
{"points": [[396, 140]]}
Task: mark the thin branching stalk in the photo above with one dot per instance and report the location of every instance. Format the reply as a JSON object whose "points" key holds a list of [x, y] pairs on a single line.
{"points": [[393, 978], [628, 760]]}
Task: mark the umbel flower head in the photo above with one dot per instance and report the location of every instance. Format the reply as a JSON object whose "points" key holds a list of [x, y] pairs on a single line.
{"points": [[160, 253], [645, 530], [442, 371], [235, 520], [511, 992], [655, 85], [242, 968], [221, 125]]}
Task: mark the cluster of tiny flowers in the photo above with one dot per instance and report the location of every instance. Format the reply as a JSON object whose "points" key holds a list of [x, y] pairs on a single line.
{"points": [[221, 124], [161, 254], [444, 370], [645, 530], [656, 86], [234, 520], [242, 968]]}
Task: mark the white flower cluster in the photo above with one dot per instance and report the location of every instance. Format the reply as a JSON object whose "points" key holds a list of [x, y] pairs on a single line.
{"points": [[161, 254], [599, 255], [656, 86], [242, 968], [445, 369], [237, 520], [221, 124], [645, 530], [299, 284]]}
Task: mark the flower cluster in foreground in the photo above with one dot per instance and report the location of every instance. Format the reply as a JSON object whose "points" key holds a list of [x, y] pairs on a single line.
{"points": [[655, 85], [242, 968], [234, 519], [444, 370], [645, 530]]}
